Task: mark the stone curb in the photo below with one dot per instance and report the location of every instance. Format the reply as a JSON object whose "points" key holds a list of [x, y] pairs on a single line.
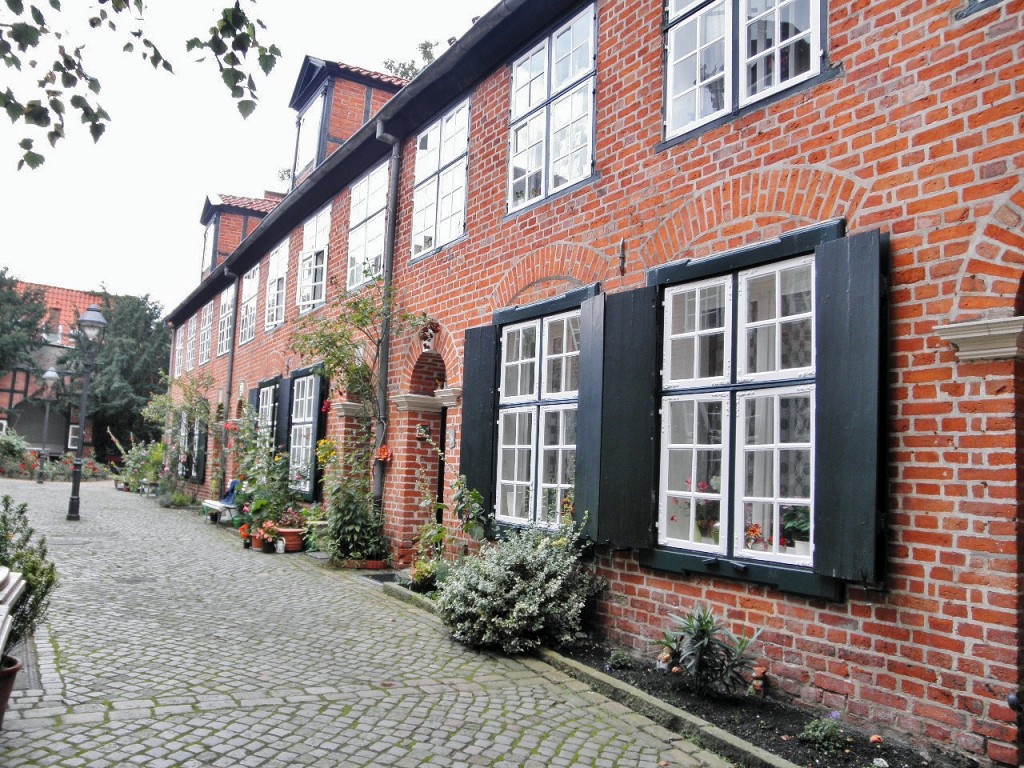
{"points": [[709, 736]]}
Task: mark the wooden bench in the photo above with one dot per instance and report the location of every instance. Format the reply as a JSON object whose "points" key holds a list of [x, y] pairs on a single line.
{"points": [[12, 586]]}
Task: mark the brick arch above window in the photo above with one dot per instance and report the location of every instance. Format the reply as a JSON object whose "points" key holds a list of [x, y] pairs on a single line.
{"points": [[990, 281], [748, 208], [442, 357], [551, 270]]}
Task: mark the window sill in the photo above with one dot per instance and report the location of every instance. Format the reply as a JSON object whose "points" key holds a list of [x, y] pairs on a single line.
{"points": [[827, 73], [437, 249], [553, 196], [799, 581]]}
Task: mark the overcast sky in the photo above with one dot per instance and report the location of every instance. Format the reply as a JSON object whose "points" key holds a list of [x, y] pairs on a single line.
{"points": [[124, 213]]}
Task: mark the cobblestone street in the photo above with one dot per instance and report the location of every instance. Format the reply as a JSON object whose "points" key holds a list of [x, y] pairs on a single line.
{"points": [[168, 644]]}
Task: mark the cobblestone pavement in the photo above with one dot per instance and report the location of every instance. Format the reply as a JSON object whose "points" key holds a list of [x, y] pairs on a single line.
{"points": [[170, 645]]}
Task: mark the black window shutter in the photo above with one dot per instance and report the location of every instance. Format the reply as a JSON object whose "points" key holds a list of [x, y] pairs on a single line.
{"points": [[628, 459], [319, 418], [282, 428], [254, 399], [587, 494], [479, 421], [849, 408]]}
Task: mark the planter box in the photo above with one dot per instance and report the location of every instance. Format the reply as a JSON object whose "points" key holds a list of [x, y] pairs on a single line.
{"points": [[292, 539]]}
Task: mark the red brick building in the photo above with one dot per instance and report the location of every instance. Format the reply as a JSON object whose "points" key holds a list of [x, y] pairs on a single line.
{"points": [[740, 280], [21, 389]]}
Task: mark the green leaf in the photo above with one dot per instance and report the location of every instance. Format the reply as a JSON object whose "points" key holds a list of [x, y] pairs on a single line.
{"points": [[95, 21], [246, 107], [37, 16], [231, 60], [25, 143], [55, 4], [17, 6], [68, 80], [231, 77], [54, 135], [32, 160], [192, 44], [97, 129], [168, 67], [25, 35], [128, 48], [242, 42], [57, 106], [36, 114]]}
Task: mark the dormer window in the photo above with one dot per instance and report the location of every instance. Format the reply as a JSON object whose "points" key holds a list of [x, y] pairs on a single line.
{"points": [[210, 244], [307, 149]]}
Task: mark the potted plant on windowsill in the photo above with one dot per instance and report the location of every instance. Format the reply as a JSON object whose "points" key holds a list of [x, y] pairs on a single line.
{"points": [[796, 525]]}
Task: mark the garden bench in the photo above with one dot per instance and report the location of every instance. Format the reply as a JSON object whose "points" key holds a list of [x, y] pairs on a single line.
{"points": [[12, 585]]}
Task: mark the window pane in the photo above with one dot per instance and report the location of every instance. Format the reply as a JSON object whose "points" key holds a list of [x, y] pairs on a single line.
{"points": [[795, 419], [795, 288], [684, 312], [759, 478], [761, 349], [709, 423], [681, 421], [712, 355], [680, 469], [682, 358], [796, 341], [795, 474], [760, 427]]}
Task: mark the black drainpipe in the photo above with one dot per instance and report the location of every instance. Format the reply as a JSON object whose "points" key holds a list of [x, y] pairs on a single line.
{"points": [[230, 375], [385, 345]]}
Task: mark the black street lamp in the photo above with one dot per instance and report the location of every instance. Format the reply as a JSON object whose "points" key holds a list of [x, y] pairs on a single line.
{"points": [[50, 378], [91, 324]]}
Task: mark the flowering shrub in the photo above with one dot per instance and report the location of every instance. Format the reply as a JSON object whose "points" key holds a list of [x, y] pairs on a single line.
{"points": [[527, 590], [24, 553]]}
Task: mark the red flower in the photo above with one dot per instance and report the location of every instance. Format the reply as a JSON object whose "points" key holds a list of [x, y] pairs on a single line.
{"points": [[326, 407], [384, 454]]}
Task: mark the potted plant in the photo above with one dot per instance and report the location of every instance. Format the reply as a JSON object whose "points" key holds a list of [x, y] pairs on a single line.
{"points": [[243, 531], [21, 554], [290, 528], [269, 535], [796, 525]]}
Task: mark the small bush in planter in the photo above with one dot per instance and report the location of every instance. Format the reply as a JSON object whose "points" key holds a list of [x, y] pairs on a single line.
{"points": [[22, 554], [706, 652], [523, 592]]}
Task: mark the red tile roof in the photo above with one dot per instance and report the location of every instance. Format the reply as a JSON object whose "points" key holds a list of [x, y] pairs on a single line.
{"points": [[259, 205], [65, 305], [390, 79]]}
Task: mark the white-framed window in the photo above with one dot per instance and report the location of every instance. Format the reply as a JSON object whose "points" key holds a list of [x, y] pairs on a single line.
{"points": [[277, 277], [707, 74], [367, 219], [551, 133], [266, 412], [302, 441], [311, 290], [3, 426], [247, 309], [179, 350], [73, 436], [226, 320], [206, 333], [190, 345], [439, 198], [210, 244], [307, 148], [749, 416], [537, 418]]}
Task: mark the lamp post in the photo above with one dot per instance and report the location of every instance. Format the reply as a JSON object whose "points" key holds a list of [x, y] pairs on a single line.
{"points": [[50, 378], [91, 324]]}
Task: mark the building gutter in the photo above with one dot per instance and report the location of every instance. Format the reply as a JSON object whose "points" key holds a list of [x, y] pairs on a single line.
{"points": [[384, 366], [229, 376]]}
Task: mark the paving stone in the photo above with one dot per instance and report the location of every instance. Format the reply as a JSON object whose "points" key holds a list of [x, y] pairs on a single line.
{"points": [[148, 659]]}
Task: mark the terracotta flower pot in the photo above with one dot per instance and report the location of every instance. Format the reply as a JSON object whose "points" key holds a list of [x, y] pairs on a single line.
{"points": [[292, 539], [9, 668]]}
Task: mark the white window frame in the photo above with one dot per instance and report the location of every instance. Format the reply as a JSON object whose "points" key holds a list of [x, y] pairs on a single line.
{"points": [[73, 436], [210, 244], [439, 197], [179, 350], [311, 286], [308, 126], [546, 104], [247, 310], [190, 345], [206, 333], [301, 450], [736, 389], [226, 320], [277, 286], [3, 426], [523, 408], [736, 88], [689, 342], [266, 412], [367, 220]]}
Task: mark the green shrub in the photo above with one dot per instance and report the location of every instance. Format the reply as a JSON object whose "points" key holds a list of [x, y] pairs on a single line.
{"points": [[824, 734], [710, 656], [527, 590], [23, 555], [355, 530]]}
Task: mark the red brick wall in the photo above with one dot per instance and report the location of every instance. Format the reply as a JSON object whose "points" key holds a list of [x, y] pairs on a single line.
{"points": [[919, 134]]}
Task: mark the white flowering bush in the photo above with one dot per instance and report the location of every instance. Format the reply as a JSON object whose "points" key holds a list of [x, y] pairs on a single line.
{"points": [[525, 591]]}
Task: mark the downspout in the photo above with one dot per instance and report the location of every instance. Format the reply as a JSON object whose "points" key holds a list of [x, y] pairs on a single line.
{"points": [[228, 385], [385, 345]]}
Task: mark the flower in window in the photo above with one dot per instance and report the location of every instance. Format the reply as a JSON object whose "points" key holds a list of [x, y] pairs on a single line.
{"points": [[754, 535]]}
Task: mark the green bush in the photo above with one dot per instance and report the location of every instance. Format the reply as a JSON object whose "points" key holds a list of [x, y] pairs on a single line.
{"points": [[355, 530], [824, 734], [22, 555], [523, 592], [710, 656]]}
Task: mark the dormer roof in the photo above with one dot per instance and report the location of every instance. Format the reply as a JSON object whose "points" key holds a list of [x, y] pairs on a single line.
{"points": [[236, 204], [314, 71]]}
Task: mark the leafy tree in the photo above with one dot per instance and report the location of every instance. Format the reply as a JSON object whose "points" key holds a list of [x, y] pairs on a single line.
{"points": [[128, 372], [409, 69], [29, 38], [21, 317]]}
